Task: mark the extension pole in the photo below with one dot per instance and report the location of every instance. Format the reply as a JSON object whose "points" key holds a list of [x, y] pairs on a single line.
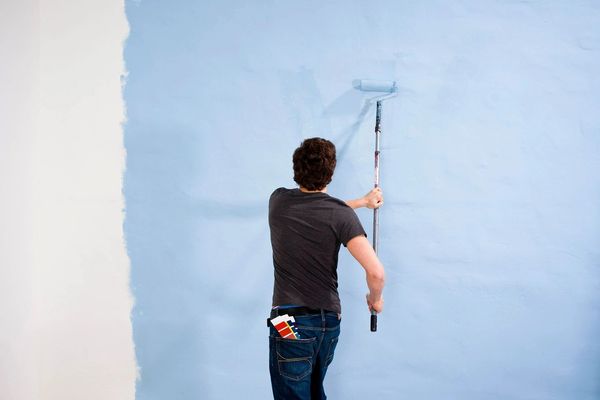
{"points": [[376, 210], [388, 89]]}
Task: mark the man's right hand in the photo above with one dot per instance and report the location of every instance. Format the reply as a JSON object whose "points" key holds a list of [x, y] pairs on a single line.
{"points": [[373, 199], [376, 306]]}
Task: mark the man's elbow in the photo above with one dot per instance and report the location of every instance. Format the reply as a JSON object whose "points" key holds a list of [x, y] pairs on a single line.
{"points": [[377, 276]]}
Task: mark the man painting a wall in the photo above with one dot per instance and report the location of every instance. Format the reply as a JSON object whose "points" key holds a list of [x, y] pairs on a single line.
{"points": [[307, 228]]}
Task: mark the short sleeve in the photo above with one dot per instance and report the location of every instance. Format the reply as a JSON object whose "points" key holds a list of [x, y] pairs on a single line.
{"points": [[348, 225], [274, 195], [277, 192]]}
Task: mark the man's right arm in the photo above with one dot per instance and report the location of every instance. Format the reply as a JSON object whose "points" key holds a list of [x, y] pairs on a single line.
{"points": [[363, 252]]}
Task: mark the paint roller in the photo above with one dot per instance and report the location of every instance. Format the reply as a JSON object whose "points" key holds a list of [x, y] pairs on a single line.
{"points": [[371, 85], [388, 89]]}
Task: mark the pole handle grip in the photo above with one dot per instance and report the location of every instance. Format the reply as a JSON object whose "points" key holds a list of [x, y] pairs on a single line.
{"points": [[373, 321]]}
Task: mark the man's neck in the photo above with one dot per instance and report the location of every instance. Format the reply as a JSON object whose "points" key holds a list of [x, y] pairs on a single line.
{"points": [[324, 190]]}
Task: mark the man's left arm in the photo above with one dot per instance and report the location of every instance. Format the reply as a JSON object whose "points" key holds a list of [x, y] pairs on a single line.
{"points": [[373, 199]]}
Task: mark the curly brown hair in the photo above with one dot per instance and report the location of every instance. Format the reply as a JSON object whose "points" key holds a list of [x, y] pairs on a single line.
{"points": [[314, 163]]}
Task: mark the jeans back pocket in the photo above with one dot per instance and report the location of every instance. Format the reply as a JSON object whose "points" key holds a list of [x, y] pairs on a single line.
{"points": [[294, 357]]}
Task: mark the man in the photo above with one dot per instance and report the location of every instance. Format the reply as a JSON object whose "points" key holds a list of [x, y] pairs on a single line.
{"points": [[307, 228]]}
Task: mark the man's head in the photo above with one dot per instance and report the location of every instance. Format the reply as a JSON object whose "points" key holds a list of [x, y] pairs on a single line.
{"points": [[314, 163]]}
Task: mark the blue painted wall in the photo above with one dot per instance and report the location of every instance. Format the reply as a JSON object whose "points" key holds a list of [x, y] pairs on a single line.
{"points": [[490, 166]]}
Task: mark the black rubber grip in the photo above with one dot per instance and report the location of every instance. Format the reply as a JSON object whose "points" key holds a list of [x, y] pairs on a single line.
{"points": [[373, 322]]}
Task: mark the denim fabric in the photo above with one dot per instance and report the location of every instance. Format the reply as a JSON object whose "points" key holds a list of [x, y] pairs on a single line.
{"points": [[298, 366]]}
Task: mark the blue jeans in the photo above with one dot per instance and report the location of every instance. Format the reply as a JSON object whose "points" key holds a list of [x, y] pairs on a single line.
{"points": [[298, 366]]}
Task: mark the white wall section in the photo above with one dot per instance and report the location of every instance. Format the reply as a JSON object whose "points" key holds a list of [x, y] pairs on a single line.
{"points": [[65, 331]]}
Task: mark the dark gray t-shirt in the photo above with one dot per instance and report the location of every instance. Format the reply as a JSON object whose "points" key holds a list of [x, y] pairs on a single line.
{"points": [[306, 232]]}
